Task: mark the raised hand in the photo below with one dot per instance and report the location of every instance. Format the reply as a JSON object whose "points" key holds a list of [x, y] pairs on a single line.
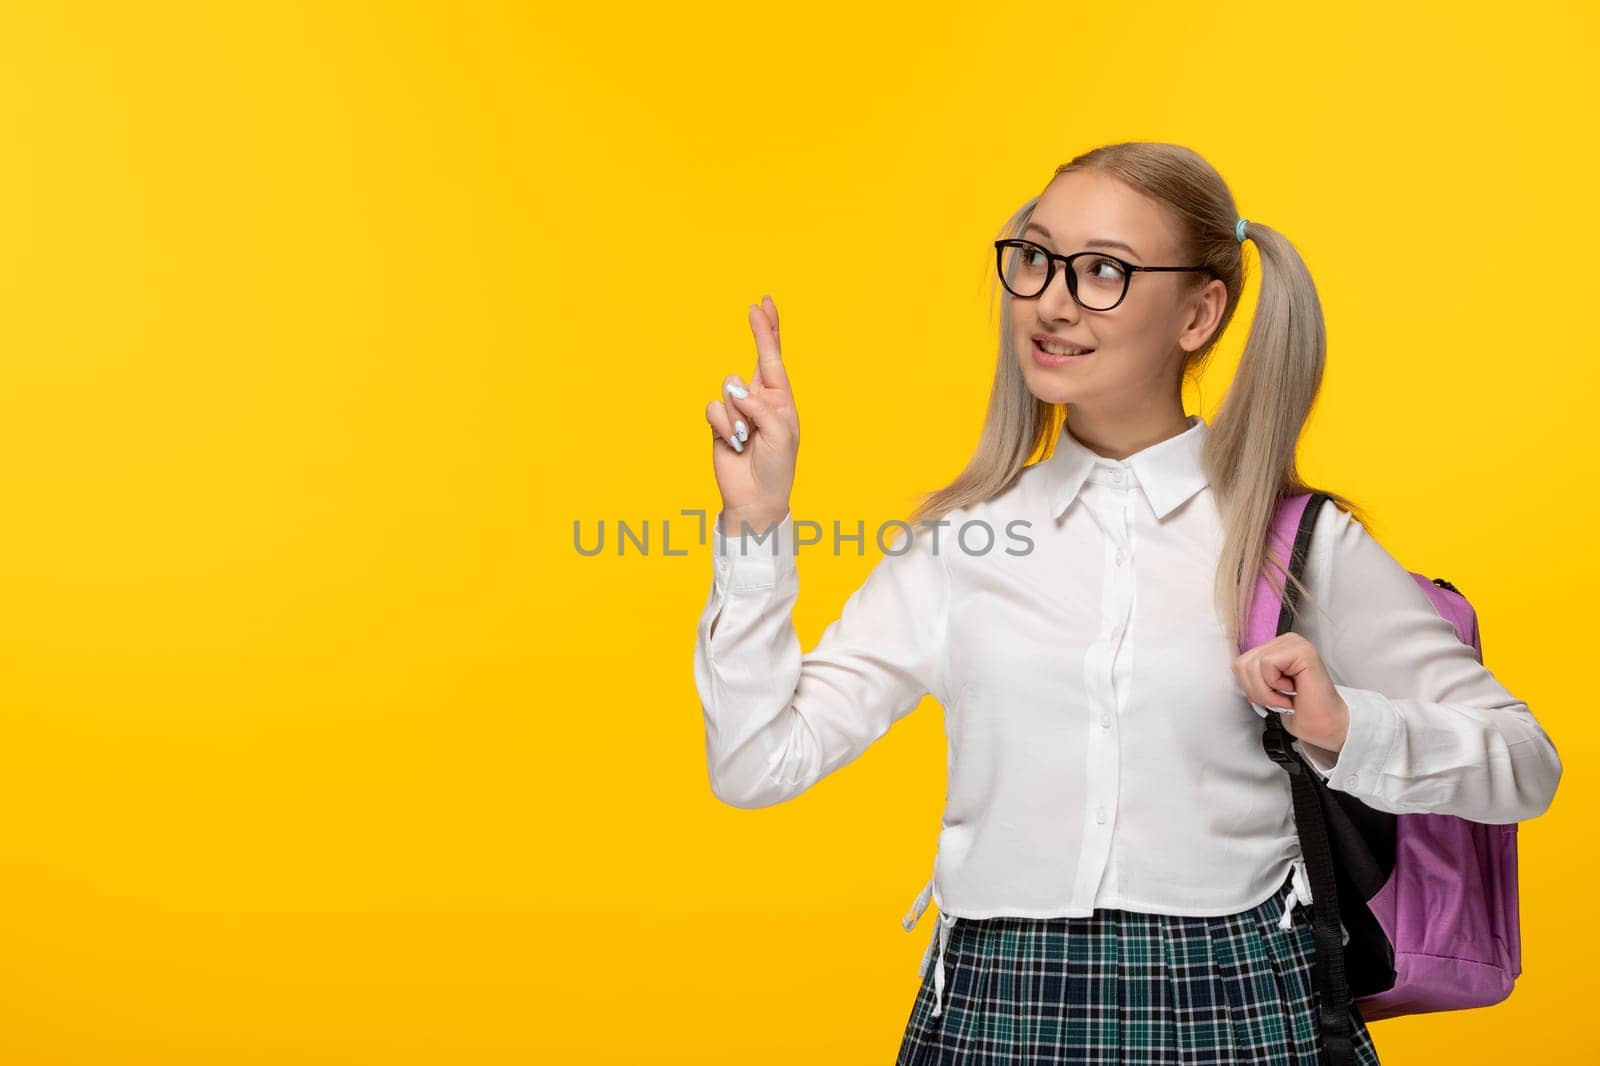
{"points": [[756, 435]]}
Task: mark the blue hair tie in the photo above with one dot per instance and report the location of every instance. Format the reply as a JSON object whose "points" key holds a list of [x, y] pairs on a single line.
{"points": [[1238, 231]]}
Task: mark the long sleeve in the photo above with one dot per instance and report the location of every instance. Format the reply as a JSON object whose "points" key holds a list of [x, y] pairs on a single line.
{"points": [[1431, 728], [778, 721]]}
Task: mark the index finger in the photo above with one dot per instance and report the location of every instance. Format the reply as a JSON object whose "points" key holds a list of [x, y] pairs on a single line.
{"points": [[769, 358]]}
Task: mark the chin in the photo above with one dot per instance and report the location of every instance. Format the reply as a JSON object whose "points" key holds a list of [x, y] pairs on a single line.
{"points": [[1058, 396], [1051, 388]]}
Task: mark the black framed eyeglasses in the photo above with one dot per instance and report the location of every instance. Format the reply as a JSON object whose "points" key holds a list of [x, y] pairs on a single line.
{"points": [[1097, 280]]}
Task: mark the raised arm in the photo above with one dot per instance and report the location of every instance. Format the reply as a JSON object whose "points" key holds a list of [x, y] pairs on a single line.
{"points": [[777, 721]]}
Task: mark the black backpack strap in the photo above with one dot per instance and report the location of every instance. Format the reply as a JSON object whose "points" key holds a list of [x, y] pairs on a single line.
{"points": [[1337, 1031]]}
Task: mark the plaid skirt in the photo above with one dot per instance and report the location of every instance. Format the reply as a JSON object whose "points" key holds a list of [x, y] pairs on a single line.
{"points": [[1124, 987]]}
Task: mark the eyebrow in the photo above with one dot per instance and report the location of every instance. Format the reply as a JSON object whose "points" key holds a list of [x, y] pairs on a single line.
{"points": [[1098, 242]]}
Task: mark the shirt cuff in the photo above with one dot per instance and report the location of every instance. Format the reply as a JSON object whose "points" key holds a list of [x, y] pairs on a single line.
{"points": [[753, 560], [1374, 729]]}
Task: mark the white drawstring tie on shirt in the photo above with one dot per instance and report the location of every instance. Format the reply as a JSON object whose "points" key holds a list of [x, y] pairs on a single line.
{"points": [[1302, 895], [941, 936]]}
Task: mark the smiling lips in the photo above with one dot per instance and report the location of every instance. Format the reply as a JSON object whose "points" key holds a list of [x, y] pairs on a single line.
{"points": [[1053, 346], [1050, 354]]}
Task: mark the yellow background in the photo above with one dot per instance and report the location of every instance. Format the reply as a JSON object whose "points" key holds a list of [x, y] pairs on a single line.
{"points": [[323, 323]]}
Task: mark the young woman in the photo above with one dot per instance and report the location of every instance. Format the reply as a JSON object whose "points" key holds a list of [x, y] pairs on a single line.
{"points": [[1118, 877]]}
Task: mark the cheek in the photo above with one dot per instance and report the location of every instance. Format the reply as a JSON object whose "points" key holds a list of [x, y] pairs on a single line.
{"points": [[1137, 342]]}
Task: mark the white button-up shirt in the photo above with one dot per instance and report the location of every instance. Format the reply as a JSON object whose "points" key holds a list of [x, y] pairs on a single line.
{"points": [[1100, 751]]}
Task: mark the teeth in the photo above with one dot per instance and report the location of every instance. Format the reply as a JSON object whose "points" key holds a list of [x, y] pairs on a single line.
{"points": [[1056, 349]]}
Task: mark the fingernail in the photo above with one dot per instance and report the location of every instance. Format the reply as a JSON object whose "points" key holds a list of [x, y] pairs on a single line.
{"points": [[767, 298], [740, 430], [752, 307], [739, 390], [736, 445]]}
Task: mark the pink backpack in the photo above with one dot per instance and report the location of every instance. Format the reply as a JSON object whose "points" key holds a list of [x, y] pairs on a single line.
{"points": [[1413, 912]]}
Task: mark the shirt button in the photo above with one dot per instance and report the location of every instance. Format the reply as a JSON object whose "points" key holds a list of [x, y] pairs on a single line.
{"points": [[1105, 721], [1100, 815], [1122, 556], [1350, 782], [1116, 475]]}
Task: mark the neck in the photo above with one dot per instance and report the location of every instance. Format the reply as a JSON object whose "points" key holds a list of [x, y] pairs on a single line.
{"points": [[1119, 436]]}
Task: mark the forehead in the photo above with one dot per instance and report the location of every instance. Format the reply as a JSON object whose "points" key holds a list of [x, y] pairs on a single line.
{"points": [[1083, 206]]}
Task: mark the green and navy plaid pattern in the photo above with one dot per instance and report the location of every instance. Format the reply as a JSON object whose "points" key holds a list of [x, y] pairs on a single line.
{"points": [[1125, 988]]}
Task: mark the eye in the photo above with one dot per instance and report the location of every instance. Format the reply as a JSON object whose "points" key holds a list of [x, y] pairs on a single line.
{"points": [[1104, 269]]}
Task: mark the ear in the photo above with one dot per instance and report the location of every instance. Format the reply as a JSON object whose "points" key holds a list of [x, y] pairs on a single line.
{"points": [[1204, 315]]}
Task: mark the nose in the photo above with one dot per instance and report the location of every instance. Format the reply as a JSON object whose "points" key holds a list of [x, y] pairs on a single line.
{"points": [[1056, 301]]}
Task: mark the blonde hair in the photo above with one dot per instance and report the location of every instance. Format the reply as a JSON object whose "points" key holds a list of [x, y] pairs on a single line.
{"points": [[1249, 454]]}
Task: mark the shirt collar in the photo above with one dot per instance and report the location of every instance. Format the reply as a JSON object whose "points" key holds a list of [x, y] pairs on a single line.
{"points": [[1168, 472]]}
